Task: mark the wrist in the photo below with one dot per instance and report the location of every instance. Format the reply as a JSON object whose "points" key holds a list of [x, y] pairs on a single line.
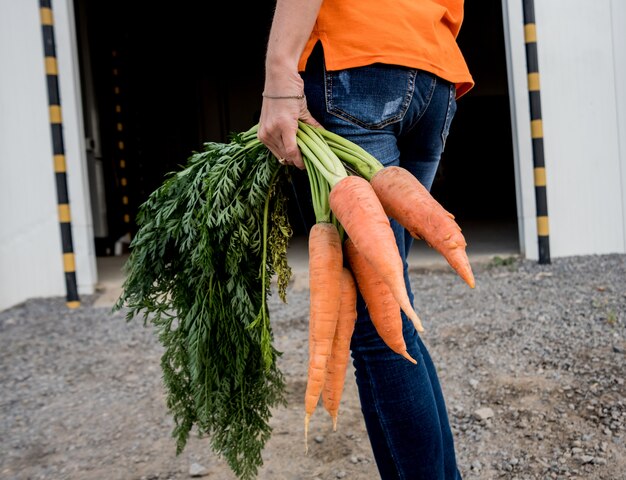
{"points": [[283, 83]]}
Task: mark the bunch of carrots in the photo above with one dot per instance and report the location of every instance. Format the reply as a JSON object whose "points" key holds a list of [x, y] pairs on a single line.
{"points": [[353, 246]]}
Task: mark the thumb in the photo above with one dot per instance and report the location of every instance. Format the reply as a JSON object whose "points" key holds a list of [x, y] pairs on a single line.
{"points": [[306, 117]]}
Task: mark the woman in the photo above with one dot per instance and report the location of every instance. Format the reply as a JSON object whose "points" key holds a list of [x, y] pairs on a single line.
{"points": [[385, 75]]}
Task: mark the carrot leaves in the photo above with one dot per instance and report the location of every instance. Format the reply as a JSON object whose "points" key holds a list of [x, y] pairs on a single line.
{"points": [[210, 239]]}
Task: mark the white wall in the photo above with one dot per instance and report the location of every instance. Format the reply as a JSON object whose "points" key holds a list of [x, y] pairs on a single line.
{"points": [[618, 15], [581, 65], [77, 175], [513, 21], [30, 244]]}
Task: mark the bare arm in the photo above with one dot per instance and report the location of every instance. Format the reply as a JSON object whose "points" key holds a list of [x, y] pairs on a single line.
{"points": [[291, 27]]}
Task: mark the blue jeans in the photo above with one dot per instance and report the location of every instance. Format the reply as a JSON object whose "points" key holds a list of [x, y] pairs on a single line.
{"points": [[402, 117]]}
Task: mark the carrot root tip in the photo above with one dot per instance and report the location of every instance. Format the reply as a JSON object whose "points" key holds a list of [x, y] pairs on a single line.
{"points": [[334, 415], [417, 322], [307, 418], [406, 355]]}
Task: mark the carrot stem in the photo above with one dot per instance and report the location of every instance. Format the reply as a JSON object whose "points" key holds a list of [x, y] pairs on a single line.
{"points": [[352, 154], [320, 154], [319, 192]]}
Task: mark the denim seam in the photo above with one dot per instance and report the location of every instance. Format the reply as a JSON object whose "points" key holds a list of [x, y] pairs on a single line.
{"points": [[431, 93], [383, 426], [446, 125], [337, 112]]}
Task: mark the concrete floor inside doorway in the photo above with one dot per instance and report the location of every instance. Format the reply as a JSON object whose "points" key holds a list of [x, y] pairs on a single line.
{"points": [[486, 241]]}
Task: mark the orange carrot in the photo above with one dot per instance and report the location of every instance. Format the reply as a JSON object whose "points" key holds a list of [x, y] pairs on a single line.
{"points": [[404, 198], [340, 355], [325, 271], [358, 209], [383, 309]]}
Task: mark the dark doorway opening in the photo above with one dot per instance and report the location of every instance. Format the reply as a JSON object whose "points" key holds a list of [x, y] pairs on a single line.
{"points": [[180, 77], [162, 81], [476, 178]]}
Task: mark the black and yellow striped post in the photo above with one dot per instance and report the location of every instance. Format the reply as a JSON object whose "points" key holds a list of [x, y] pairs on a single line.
{"points": [[58, 152], [536, 129]]}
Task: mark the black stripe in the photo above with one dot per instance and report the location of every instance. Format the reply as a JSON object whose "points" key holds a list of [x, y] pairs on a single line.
{"points": [[542, 201], [532, 58], [538, 157], [529, 11], [53, 90], [66, 237], [544, 249], [72, 289], [48, 41], [62, 196], [45, 3], [57, 138], [535, 105]]}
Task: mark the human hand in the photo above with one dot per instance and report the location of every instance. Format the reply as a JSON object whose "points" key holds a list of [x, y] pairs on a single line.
{"points": [[278, 125]]}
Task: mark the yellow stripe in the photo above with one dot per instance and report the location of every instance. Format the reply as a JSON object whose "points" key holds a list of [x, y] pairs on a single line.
{"points": [[125, 200], [115, 71], [533, 82], [540, 176], [122, 163], [74, 304], [64, 213], [51, 66], [68, 262], [536, 129], [123, 181], [118, 108], [59, 163], [46, 16], [530, 32], [120, 145], [116, 90], [55, 114], [126, 218], [120, 127], [542, 226]]}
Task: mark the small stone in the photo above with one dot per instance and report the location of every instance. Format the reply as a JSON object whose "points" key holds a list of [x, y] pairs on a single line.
{"points": [[197, 470], [473, 383], [319, 438], [341, 474], [586, 459], [354, 459], [484, 413], [476, 465]]}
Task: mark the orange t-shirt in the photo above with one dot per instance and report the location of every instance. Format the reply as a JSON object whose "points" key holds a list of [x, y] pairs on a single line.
{"points": [[411, 33]]}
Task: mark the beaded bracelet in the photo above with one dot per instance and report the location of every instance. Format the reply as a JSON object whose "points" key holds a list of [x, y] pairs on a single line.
{"points": [[283, 97]]}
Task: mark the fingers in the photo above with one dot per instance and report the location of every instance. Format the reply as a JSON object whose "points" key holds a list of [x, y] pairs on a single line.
{"points": [[292, 155], [278, 126], [281, 141]]}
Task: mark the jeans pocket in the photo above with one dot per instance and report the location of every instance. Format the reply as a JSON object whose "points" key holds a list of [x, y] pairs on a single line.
{"points": [[449, 116], [372, 97]]}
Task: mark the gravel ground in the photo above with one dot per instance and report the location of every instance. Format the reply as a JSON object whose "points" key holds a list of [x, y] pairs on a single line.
{"points": [[532, 362]]}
